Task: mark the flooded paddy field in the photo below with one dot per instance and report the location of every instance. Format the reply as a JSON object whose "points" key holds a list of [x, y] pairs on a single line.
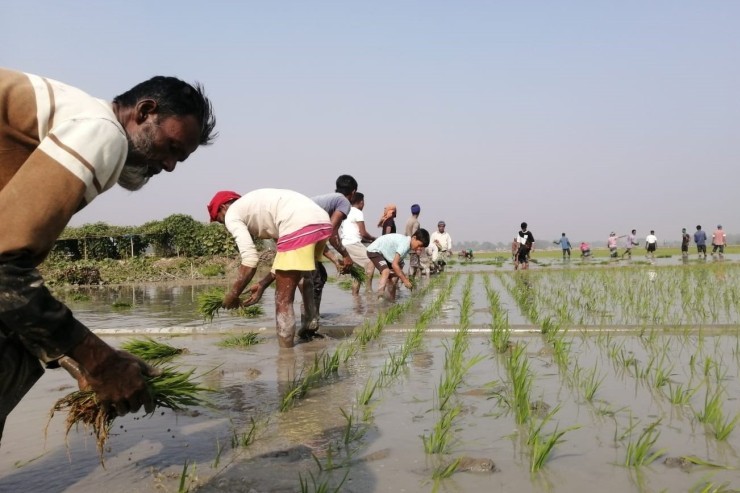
{"points": [[555, 380]]}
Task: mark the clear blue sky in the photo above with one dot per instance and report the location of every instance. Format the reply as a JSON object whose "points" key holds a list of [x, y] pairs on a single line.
{"points": [[583, 117]]}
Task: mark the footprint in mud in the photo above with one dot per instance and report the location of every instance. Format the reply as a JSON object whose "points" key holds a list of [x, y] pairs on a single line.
{"points": [[476, 464]]}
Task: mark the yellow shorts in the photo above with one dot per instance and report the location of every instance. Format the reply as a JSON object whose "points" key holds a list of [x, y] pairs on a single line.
{"points": [[303, 259]]}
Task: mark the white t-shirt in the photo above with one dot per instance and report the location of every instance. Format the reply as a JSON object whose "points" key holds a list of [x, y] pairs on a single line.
{"points": [[349, 232], [269, 213]]}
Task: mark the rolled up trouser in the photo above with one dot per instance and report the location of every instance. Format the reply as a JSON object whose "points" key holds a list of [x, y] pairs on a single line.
{"points": [[19, 370]]}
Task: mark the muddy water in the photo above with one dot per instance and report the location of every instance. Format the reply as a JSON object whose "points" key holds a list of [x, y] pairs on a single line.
{"points": [[387, 453]]}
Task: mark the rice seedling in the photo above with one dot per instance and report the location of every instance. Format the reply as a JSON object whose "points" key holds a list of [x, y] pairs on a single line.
{"points": [[121, 305], [542, 446], [296, 389], [712, 411], [345, 284], [445, 471], [330, 363], [358, 274], [352, 432], [187, 477], [150, 350], [318, 485], [521, 383], [706, 486], [170, 389], [246, 438], [251, 311], [211, 302], [241, 340], [439, 439], [723, 427], [217, 459], [679, 395], [591, 383], [641, 452]]}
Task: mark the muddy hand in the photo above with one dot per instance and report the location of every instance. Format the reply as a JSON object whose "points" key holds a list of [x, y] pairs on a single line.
{"points": [[254, 296], [123, 382], [119, 379]]}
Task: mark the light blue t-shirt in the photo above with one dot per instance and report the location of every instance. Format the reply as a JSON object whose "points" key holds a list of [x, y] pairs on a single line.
{"points": [[564, 242], [391, 244]]}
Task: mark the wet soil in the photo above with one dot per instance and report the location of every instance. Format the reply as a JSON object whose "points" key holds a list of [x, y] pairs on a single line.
{"points": [[384, 451]]}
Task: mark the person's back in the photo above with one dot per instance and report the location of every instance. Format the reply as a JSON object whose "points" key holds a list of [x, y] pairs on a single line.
{"points": [[349, 233], [718, 241], [332, 202], [700, 238]]}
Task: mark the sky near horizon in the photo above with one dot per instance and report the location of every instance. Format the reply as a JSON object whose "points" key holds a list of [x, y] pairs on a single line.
{"points": [[579, 117]]}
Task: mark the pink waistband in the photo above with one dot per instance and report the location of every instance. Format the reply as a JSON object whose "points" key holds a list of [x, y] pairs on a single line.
{"points": [[307, 235]]}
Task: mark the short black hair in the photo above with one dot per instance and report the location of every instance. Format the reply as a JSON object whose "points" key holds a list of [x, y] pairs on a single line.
{"points": [[524, 225], [346, 184], [422, 235], [698, 226], [358, 197], [175, 97]]}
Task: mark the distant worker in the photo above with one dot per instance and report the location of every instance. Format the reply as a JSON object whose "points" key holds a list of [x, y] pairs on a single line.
{"points": [[564, 243], [631, 242], [412, 226], [611, 242], [387, 222], [387, 253], [700, 238], [685, 240], [440, 243], [651, 244], [525, 238], [719, 239], [585, 249], [353, 233]]}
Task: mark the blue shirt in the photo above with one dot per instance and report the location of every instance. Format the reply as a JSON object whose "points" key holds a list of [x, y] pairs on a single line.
{"points": [[391, 244], [700, 238], [564, 243]]}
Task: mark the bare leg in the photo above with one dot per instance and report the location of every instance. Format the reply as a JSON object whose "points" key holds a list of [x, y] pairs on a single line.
{"points": [[383, 281], [369, 271], [286, 282], [310, 312]]}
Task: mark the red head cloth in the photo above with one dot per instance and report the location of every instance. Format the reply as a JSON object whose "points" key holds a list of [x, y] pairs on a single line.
{"points": [[218, 200]]}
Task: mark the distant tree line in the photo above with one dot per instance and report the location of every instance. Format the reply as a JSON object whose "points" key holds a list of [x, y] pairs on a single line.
{"points": [[177, 235]]}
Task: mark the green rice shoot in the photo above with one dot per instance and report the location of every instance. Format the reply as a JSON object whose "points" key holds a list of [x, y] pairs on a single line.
{"points": [[171, 389], [358, 273], [150, 350], [211, 302], [241, 340]]}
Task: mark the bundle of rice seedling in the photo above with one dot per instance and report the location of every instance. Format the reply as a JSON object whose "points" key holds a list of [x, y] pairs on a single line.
{"points": [[210, 302], [345, 284], [171, 389], [242, 340], [358, 273], [150, 350], [251, 311]]}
